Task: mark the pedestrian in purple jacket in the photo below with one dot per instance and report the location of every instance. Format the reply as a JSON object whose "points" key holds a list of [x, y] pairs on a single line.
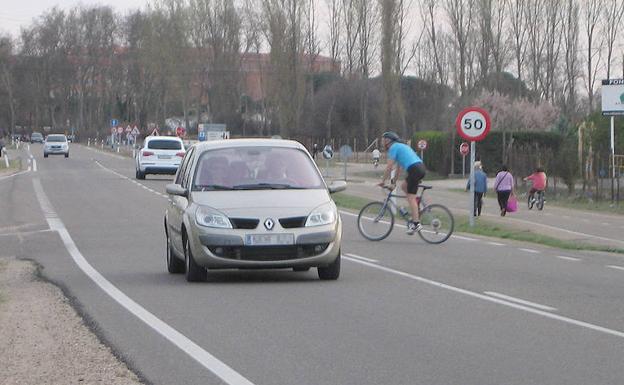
{"points": [[504, 187]]}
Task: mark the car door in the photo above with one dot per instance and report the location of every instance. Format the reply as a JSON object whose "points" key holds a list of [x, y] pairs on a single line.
{"points": [[177, 204]]}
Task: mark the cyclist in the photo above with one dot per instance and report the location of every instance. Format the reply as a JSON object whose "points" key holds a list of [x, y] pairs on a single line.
{"points": [[405, 158], [539, 180]]}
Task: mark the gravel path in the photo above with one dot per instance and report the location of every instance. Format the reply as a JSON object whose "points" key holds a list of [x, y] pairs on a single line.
{"points": [[44, 340]]}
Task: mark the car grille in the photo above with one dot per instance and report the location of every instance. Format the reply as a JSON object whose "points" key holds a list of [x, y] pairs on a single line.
{"points": [[269, 253], [290, 223], [244, 223]]}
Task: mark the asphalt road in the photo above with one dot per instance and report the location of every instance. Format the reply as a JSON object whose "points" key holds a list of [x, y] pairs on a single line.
{"points": [[402, 312]]}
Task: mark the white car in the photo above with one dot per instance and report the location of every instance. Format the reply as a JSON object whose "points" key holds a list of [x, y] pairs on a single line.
{"points": [[159, 155], [56, 144]]}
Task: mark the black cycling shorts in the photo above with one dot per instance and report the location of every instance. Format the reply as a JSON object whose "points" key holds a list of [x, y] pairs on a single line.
{"points": [[415, 173]]}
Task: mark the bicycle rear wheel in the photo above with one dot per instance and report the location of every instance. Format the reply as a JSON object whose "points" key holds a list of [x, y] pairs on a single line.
{"points": [[540, 201], [375, 221], [437, 222]]}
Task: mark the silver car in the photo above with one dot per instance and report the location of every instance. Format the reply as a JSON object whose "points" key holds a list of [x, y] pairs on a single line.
{"points": [[249, 204], [56, 144]]}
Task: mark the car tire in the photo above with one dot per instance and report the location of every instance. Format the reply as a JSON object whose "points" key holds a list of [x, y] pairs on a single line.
{"points": [[301, 268], [193, 272], [140, 174], [331, 271], [174, 264], [45, 155]]}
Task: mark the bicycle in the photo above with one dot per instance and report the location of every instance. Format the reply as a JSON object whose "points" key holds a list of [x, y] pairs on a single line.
{"points": [[376, 219], [532, 200]]}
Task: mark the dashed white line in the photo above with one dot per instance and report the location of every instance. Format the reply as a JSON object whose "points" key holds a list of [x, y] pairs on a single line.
{"points": [[13, 175], [529, 250], [495, 244], [362, 258], [520, 301], [568, 258], [606, 224], [615, 267], [34, 164], [207, 360], [488, 298]]}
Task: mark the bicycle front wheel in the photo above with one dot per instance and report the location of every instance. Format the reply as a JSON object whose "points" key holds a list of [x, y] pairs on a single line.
{"points": [[375, 221], [437, 222]]}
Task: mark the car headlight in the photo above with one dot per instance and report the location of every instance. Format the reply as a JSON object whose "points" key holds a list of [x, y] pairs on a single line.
{"points": [[322, 215], [209, 217]]}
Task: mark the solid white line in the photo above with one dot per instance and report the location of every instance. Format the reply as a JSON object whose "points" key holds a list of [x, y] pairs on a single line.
{"points": [[568, 258], [12, 175], [616, 267], [29, 167], [207, 360], [34, 165], [529, 250], [484, 297], [606, 224], [362, 258], [520, 301], [495, 244]]}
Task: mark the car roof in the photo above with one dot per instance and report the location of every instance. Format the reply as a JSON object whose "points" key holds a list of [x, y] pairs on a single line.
{"points": [[251, 142], [174, 138]]}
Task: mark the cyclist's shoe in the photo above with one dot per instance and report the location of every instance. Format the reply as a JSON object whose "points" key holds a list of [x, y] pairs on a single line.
{"points": [[413, 227]]}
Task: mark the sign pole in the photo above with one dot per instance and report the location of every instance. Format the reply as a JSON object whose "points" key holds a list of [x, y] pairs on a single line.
{"points": [[472, 183], [464, 166], [612, 160]]}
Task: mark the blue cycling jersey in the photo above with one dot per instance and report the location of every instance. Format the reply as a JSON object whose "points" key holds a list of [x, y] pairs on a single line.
{"points": [[403, 155]]}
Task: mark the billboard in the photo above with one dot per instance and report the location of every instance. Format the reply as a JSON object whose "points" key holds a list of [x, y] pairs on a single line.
{"points": [[613, 97]]}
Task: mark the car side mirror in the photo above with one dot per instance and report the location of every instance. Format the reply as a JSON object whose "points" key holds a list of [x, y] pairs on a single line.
{"points": [[176, 189], [337, 186]]}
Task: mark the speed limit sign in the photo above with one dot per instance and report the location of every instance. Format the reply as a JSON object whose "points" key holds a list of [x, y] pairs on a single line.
{"points": [[473, 124]]}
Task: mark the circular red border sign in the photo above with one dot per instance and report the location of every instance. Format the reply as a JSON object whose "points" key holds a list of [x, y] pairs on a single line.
{"points": [[422, 144], [472, 111], [464, 148]]}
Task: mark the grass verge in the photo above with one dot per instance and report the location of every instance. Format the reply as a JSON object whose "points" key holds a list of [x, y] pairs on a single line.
{"points": [[14, 164], [489, 229]]}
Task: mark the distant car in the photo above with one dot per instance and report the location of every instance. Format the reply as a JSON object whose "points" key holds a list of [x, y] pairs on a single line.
{"points": [[251, 204], [159, 155], [36, 137], [56, 144]]}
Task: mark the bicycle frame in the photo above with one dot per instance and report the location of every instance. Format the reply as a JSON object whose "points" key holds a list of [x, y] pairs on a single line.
{"points": [[393, 206]]}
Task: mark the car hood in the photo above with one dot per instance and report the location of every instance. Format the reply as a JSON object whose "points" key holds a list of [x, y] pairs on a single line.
{"points": [[258, 203]]}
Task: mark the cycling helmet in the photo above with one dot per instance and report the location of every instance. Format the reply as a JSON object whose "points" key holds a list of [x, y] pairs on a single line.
{"points": [[392, 136]]}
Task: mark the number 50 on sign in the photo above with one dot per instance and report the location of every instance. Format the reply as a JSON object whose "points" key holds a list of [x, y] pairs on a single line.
{"points": [[473, 124]]}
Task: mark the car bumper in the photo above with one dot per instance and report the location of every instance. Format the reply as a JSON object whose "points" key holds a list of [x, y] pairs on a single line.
{"points": [[159, 169], [225, 249], [53, 151]]}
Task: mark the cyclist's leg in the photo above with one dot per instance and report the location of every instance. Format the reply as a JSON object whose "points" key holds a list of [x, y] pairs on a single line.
{"points": [[532, 192], [415, 174]]}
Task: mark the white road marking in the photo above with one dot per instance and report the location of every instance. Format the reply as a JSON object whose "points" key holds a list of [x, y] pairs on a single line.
{"points": [[12, 175], [105, 153], [565, 217], [131, 180], [484, 297], [616, 267], [34, 164], [568, 258], [529, 250], [495, 244], [207, 360], [606, 224], [520, 301], [362, 258]]}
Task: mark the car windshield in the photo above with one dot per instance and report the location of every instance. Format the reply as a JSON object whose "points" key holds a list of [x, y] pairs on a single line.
{"points": [[36, 135], [164, 144], [256, 168], [56, 138]]}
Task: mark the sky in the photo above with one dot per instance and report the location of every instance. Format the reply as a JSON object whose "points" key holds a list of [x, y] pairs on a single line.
{"points": [[15, 14]]}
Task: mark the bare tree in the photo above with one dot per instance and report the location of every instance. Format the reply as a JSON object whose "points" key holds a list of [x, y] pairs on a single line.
{"points": [[591, 17], [535, 19], [6, 76], [429, 15], [570, 37], [612, 18], [518, 31], [552, 47], [367, 14], [461, 23]]}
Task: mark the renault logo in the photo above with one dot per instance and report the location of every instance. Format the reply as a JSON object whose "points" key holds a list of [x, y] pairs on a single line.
{"points": [[269, 224]]}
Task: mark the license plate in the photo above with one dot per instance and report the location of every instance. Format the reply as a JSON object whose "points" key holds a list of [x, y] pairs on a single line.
{"points": [[164, 156], [269, 239]]}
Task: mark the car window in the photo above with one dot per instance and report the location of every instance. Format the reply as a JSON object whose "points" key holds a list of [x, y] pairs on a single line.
{"points": [[183, 167], [56, 138], [164, 144], [187, 171], [256, 168]]}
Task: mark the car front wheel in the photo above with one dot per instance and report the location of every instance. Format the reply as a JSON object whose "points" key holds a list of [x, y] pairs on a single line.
{"points": [[194, 272], [331, 271]]}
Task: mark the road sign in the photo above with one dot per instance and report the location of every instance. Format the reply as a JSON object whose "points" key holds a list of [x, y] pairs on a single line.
{"points": [[328, 152], [135, 131], [120, 130], [180, 132], [155, 132], [473, 124], [345, 151], [422, 144], [114, 122], [128, 129], [113, 130], [464, 148]]}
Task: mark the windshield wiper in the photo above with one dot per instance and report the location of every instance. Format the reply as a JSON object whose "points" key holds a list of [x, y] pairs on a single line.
{"points": [[209, 187], [267, 186]]}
